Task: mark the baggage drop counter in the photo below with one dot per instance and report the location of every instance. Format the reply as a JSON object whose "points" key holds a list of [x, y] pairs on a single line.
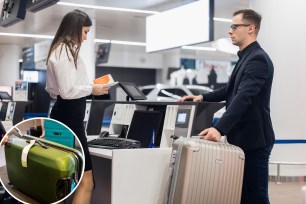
{"points": [[138, 176], [134, 176]]}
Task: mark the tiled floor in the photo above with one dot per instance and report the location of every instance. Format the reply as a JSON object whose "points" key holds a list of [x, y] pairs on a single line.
{"points": [[286, 193]]}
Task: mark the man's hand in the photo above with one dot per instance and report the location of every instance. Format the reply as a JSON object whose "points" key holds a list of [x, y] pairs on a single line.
{"points": [[198, 98], [211, 134]]}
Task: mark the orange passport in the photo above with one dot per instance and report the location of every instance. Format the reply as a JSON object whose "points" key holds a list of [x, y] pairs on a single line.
{"points": [[106, 79]]}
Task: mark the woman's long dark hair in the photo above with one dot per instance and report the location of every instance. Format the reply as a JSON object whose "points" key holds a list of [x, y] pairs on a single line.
{"points": [[70, 33]]}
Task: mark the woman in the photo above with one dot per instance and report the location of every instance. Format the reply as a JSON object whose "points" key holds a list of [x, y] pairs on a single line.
{"points": [[67, 81], [2, 130]]}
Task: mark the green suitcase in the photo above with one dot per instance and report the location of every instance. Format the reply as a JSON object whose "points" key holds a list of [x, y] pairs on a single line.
{"points": [[51, 171]]}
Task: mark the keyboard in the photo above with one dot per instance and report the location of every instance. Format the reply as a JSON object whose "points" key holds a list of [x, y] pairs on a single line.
{"points": [[114, 143]]}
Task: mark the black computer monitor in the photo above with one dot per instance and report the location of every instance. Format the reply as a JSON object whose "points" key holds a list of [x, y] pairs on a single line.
{"points": [[103, 53], [142, 126], [5, 96], [132, 91], [35, 6], [98, 111], [8, 89], [12, 12], [18, 113], [204, 115], [3, 110]]}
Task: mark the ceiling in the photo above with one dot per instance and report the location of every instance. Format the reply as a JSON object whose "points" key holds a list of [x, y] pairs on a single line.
{"points": [[113, 25]]}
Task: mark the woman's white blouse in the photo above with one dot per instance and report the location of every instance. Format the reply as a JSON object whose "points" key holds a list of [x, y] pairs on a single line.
{"points": [[64, 79]]}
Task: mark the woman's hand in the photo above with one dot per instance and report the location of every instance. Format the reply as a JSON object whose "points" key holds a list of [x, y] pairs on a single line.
{"points": [[14, 131], [43, 134], [100, 89], [4, 140]]}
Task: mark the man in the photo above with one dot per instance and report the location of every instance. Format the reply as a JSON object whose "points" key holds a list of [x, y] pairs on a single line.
{"points": [[247, 122]]}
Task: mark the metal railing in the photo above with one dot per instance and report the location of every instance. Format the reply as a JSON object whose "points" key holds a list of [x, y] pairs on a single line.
{"points": [[278, 163]]}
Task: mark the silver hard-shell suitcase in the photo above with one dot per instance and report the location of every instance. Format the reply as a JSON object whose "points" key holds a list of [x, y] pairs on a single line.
{"points": [[205, 172]]}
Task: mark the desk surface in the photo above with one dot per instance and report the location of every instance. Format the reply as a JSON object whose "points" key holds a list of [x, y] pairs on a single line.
{"points": [[108, 153], [99, 152]]}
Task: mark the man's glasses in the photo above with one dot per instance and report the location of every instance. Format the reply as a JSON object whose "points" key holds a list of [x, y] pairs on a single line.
{"points": [[235, 26]]}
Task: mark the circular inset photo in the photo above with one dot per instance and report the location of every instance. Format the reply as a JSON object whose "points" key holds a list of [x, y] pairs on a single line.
{"points": [[43, 161]]}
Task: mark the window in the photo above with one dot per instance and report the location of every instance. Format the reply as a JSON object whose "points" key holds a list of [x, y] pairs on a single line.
{"points": [[198, 91], [146, 91], [172, 93]]}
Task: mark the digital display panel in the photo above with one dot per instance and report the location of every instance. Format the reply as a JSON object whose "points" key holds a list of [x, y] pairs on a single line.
{"points": [[185, 25], [12, 12], [181, 118]]}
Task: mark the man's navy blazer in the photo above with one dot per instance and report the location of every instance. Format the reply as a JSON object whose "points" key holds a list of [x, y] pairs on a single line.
{"points": [[246, 121]]}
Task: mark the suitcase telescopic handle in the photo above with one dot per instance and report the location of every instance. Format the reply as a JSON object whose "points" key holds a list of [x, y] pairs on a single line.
{"points": [[15, 131], [175, 137], [223, 139], [40, 143]]}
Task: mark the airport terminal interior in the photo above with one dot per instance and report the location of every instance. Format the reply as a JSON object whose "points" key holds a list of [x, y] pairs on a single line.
{"points": [[150, 54]]}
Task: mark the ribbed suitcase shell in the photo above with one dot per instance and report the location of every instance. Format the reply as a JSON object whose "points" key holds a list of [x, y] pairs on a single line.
{"points": [[47, 168], [205, 172]]}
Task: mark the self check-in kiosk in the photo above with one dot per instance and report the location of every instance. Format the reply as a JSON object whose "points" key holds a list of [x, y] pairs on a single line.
{"points": [[179, 119], [13, 111], [122, 117], [178, 122]]}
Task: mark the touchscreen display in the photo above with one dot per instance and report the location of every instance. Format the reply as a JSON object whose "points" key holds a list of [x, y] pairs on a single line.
{"points": [[181, 118], [133, 90]]}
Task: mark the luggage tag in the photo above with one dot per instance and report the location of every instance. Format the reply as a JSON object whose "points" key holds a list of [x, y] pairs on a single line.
{"points": [[26, 149], [25, 152]]}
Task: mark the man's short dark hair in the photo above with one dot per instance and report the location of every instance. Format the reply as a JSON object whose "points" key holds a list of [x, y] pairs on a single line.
{"points": [[250, 16]]}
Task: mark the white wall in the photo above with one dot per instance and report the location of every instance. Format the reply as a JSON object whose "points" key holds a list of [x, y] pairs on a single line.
{"points": [[87, 52], [133, 56], [169, 60], [282, 35], [9, 65], [135, 60]]}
